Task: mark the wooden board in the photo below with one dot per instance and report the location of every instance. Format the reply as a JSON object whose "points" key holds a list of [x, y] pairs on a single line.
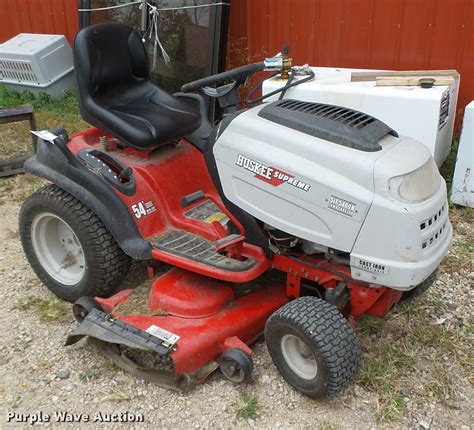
{"points": [[16, 113], [13, 166], [371, 76], [412, 80]]}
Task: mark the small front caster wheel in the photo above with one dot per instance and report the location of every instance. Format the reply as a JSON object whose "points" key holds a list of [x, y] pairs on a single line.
{"points": [[313, 347], [236, 365], [82, 307]]}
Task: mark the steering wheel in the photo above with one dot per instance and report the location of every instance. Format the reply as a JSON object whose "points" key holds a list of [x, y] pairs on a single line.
{"points": [[238, 75]]}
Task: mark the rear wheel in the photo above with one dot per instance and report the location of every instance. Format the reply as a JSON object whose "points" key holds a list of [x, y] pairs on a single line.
{"points": [[69, 247], [313, 347]]}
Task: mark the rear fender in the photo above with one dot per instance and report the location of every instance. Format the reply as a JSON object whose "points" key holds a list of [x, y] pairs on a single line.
{"points": [[63, 169]]}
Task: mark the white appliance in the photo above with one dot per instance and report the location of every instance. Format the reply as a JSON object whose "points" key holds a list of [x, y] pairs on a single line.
{"points": [[462, 192], [425, 114], [39, 63]]}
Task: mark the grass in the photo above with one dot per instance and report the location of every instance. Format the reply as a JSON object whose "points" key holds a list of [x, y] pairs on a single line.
{"points": [[326, 425], [15, 139], [64, 109], [117, 395], [18, 188], [87, 375], [48, 309], [383, 373], [459, 258], [447, 169], [397, 347], [248, 407]]}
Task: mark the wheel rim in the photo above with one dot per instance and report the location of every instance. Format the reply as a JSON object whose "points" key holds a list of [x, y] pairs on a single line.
{"points": [[57, 248], [299, 357], [232, 370], [79, 312]]}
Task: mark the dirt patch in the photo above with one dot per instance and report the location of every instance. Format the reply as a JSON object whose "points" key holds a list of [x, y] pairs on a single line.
{"points": [[137, 303]]}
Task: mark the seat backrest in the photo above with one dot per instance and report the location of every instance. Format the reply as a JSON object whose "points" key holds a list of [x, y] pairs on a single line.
{"points": [[108, 56]]}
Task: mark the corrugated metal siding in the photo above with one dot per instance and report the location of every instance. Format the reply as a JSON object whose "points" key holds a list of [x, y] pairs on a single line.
{"points": [[377, 34], [38, 16], [386, 34]]}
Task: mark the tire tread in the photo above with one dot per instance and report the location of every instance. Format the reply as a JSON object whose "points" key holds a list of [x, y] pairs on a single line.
{"points": [[111, 264], [326, 327]]}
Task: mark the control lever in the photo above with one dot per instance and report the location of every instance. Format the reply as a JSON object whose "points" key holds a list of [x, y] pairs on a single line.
{"points": [[126, 174]]}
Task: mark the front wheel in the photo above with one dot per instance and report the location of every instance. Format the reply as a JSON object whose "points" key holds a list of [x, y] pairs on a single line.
{"points": [[69, 247], [313, 347], [421, 289]]}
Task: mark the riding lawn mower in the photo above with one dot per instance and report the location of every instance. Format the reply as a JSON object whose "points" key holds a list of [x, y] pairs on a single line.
{"points": [[290, 219]]}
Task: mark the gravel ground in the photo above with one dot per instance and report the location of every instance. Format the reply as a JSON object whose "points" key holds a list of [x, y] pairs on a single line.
{"points": [[39, 374]]}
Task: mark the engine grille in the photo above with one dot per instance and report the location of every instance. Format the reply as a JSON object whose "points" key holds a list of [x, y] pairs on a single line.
{"points": [[433, 238], [430, 221], [433, 223], [349, 117], [336, 124]]}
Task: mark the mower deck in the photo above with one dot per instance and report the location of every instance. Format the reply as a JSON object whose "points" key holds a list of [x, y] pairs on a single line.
{"points": [[191, 319]]}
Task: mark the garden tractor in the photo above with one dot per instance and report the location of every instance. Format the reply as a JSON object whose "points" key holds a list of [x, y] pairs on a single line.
{"points": [[289, 219]]}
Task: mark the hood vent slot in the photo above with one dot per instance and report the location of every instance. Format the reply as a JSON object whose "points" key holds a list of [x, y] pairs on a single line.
{"points": [[336, 124]]}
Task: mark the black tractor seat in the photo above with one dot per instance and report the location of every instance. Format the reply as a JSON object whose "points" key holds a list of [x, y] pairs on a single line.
{"points": [[116, 95]]}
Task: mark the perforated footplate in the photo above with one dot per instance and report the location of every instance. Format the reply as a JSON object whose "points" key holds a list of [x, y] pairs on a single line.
{"points": [[196, 248]]}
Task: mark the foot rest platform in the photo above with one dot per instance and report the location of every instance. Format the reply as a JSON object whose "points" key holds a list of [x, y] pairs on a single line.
{"points": [[198, 249]]}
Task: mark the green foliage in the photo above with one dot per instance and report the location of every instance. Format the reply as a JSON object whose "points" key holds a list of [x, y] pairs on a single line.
{"points": [[48, 309], [248, 407], [67, 104], [50, 112], [326, 425], [87, 375], [447, 169]]}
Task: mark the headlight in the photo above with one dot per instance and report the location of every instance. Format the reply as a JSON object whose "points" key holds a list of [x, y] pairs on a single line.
{"points": [[416, 186]]}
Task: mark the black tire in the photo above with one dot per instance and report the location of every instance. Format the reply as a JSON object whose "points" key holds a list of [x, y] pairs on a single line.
{"points": [[328, 337], [421, 289], [82, 306], [106, 264], [236, 365]]}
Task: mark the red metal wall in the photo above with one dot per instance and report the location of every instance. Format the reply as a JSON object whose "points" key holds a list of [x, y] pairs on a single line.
{"points": [[38, 16], [378, 34], [386, 34]]}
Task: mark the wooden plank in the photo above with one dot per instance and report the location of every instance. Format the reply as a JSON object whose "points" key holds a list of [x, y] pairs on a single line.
{"points": [[16, 111], [371, 76], [13, 166], [413, 80], [20, 113]]}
